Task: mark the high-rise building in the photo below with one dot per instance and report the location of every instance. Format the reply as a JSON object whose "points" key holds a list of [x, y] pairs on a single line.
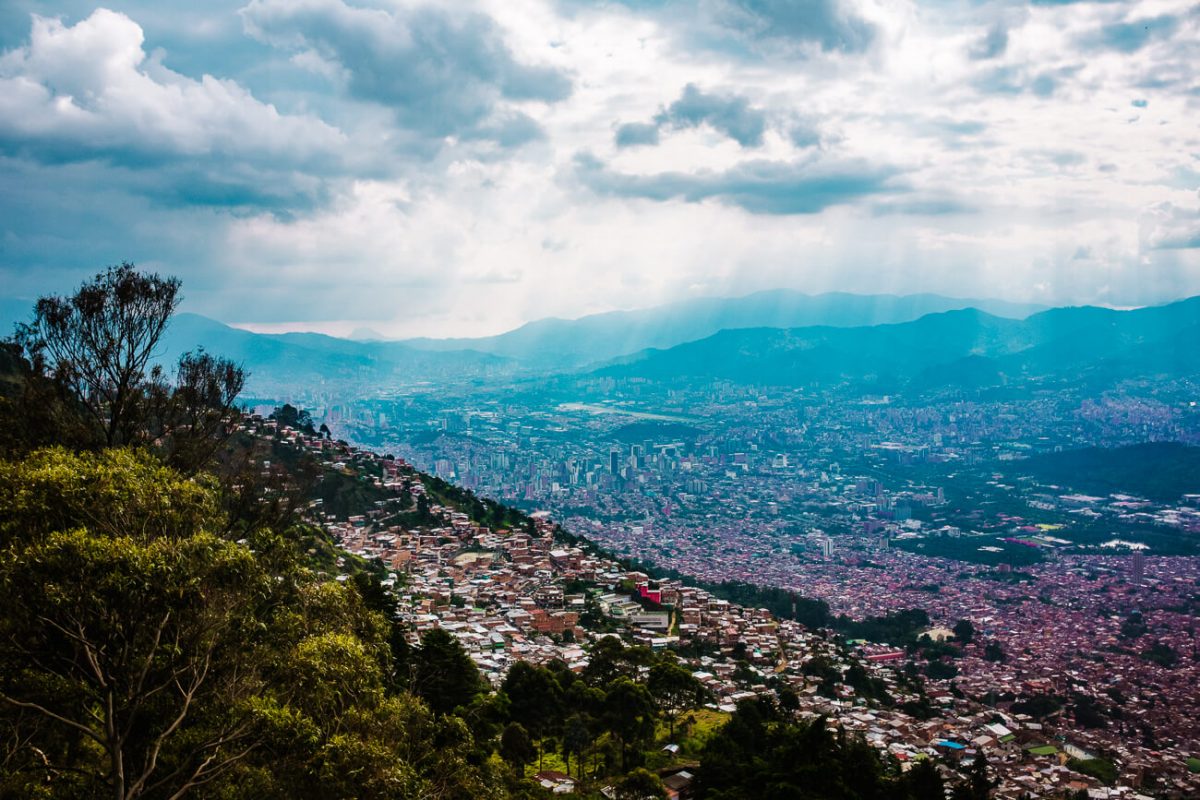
{"points": [[1138, 571], [614, 461]]}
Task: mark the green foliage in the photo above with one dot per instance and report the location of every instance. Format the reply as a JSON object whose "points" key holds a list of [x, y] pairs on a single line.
{"points": [[444, 676], [628, 713], [1038, 706], [759, 753], [1161, 654], [640, 784], [142, 654], [898, 627], [290, 416], [675, 690], [516, 747], [1101, 769], [1156, 470], [116, 492]]}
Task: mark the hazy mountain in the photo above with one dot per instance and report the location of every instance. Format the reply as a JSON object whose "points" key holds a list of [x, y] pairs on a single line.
{"points": [[310, 360], [967, 348], [558, 343]]}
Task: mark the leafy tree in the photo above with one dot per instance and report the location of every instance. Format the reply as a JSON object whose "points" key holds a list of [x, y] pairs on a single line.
{"points": [[445, 677], [195, 419], [516, 748], [576, 737], [113, 492], [641, 784], [288, 415], [133, 646], [924, 782], [675, 690], [99, 342], [758, 753], [940, 670], [992, 651], [535, 699], [628, 713], [979, 785], [964, 631]]}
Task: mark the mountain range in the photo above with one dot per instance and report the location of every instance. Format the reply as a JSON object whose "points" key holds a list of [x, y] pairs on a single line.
{"points": [[560, 343], [965, 348], [919, 342]]}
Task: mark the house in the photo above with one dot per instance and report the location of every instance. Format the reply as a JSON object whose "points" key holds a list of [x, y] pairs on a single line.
{"points": [[680, 786], [556, 782]]}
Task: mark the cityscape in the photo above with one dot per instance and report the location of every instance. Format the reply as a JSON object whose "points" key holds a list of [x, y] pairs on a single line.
{"points": [[600, 399]]}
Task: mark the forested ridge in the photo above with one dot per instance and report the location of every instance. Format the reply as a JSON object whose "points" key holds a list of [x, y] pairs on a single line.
{"points": [[170, 626]]}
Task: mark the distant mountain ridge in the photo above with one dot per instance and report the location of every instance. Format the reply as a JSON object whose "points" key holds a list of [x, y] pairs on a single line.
{"points": [[309, 360], [558, 343], [963, 347], [969, 348]]}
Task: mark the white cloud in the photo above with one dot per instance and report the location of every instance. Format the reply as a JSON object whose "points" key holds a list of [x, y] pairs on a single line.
{"points": [[89, 90]]}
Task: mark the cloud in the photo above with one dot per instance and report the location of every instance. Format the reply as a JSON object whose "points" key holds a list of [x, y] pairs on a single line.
{"points": [[1173, 227], [1130, 36], [993, 44], [89, 91], [635, 134], [754, 29], [827, 24], [760, 187], [443, 73], [729, 114], [1022, 80], [804, 133]]}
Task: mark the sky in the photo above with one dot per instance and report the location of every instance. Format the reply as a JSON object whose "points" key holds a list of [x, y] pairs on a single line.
{"points": [[459, 168]]}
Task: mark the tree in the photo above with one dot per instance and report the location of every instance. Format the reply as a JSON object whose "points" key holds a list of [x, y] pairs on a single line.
{"points": [[196, 417], [628, 713], [640, 784], [924, 782], [290, 416], [981, 783], [125, 649], [964, 631], [445, 677], [576, 738], [535, 699], [675, 690], [100, 341], [516, 748]]}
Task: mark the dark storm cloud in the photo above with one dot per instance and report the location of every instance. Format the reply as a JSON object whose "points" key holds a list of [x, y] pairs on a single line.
{"points": [[760, 187], [443, 72]]}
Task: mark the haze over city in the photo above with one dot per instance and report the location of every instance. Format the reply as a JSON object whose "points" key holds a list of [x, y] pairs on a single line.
{"points": [[427, 170]]}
